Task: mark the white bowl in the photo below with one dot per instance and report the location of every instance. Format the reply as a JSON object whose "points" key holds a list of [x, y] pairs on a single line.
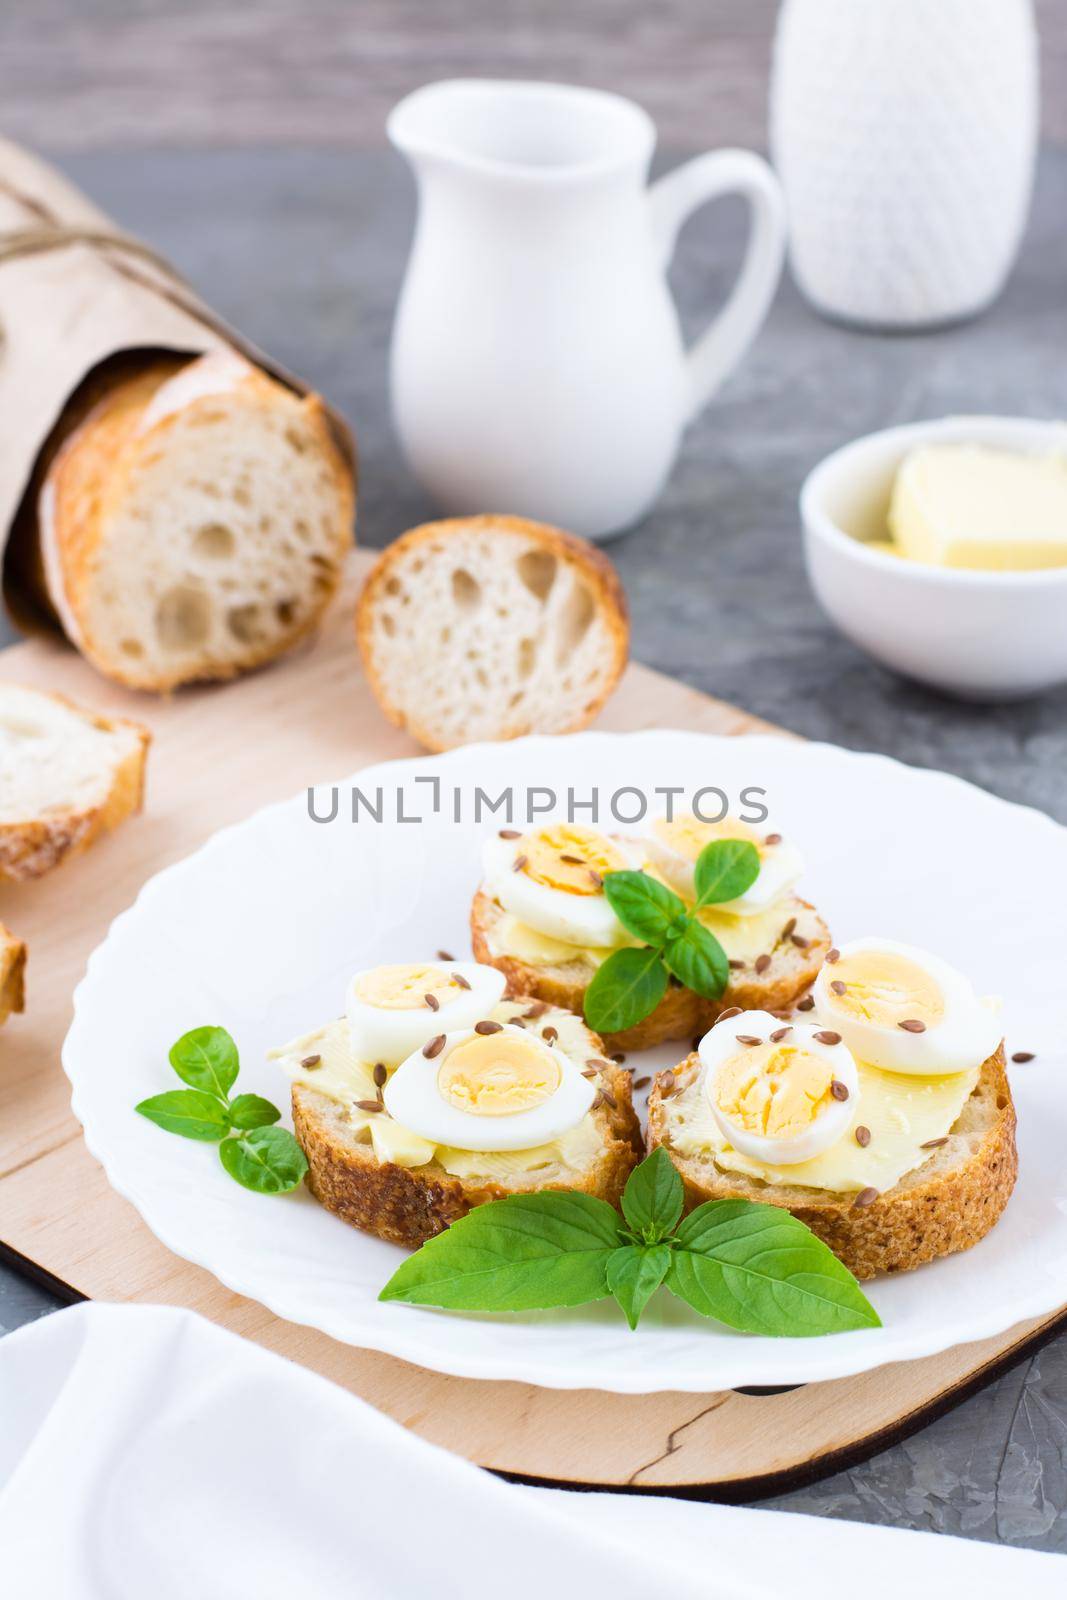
{"points": [[981, 635]]}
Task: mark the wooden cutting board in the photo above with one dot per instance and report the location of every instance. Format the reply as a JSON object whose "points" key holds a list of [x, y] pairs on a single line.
{"points": [[217, 755]]}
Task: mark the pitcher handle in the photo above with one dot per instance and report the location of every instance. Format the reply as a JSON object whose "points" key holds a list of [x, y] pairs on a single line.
{"points": [[672, 199]]}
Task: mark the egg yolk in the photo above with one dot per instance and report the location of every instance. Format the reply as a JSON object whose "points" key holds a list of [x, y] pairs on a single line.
{"points": [[687, 836], [569, 858], [496, 1075], [404, 987], [773, 1090], [885, 989]]}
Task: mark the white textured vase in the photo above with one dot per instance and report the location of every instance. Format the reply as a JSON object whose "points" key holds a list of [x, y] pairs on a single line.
{"points": [[904, 133]]}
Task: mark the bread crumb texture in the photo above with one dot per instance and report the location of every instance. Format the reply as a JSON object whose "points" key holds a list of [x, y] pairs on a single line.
{"points": [[490, 628], [66, 776], [200, 544]]}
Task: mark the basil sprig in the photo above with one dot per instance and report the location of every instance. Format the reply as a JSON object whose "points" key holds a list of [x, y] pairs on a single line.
{"points": [[632, 982], [259, 1155], [753, 1267]]}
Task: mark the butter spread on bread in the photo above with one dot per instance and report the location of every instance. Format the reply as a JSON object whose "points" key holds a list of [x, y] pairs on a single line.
{"points": [[917, 1157], [543, 917], [529, 1086]]}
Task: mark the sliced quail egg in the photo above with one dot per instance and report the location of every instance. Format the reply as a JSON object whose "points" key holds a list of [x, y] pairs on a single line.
{"points": [[393, 1010], [495, 1087], [552, 879], [780, 1092], [904, 1010], [674, 848]]}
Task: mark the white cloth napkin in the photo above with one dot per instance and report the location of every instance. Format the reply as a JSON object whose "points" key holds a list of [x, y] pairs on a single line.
{"points": [[147, 1455]]}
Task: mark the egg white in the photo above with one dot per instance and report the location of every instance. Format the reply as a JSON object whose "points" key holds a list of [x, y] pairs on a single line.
{"points": [[378, 1034], [781, 866], [967, 1034], [580, 919], [721, 1045], [413, 1099]]}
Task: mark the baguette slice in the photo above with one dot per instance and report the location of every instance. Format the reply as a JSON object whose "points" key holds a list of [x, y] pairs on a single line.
{"points": [[66, 775], [12, 974], [948, 1203], [408, 1205], [489, 628], [194, 523], [681, 1014]]}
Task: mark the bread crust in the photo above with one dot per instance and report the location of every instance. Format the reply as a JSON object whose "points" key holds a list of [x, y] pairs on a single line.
{"points": [[931, 1212], [33, 846], [681, 1014], [603, 580], [12, 974], [408, 1205], [92, 472]]}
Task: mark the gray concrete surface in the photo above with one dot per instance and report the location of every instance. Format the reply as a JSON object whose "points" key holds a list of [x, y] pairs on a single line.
{"points": [[304, 249]]}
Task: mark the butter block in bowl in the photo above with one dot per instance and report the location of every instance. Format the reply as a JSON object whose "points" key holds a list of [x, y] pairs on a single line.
{"points": [[940, 549], [980, 509]]}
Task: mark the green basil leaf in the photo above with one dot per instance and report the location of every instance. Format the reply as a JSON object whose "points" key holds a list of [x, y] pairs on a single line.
{"points": [[725, 869], [756, 1268], [252, 1111], [188, 1112], [635, 1272], [268, 1160], [628, 987], [653, 1197], [645, 907], [527, 1252], [698, 960], [206, 1058]]}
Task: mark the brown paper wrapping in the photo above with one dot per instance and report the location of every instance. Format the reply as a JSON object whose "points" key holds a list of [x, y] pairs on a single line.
{"points": [[74, 291]]}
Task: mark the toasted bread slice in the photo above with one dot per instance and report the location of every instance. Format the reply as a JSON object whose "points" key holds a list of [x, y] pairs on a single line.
{"points": [[194, 523], [681, 1014], [491, 627], [408, 1205], [66, 775], [947, 1204], [12, 974]]}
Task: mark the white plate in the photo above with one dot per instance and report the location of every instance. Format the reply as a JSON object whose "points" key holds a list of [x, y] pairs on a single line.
{"points": [[260, 929]]}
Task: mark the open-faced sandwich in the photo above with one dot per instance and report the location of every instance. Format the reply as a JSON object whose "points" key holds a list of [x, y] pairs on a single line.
{"points": [[881, 1117], [434, 1094], [544, 918]]}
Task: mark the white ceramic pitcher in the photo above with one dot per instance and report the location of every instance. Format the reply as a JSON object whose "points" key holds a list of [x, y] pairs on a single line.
{"points": [[538, 365]]}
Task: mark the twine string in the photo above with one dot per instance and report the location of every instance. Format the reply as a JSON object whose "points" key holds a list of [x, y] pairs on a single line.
{"points": [[49, 236]]}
